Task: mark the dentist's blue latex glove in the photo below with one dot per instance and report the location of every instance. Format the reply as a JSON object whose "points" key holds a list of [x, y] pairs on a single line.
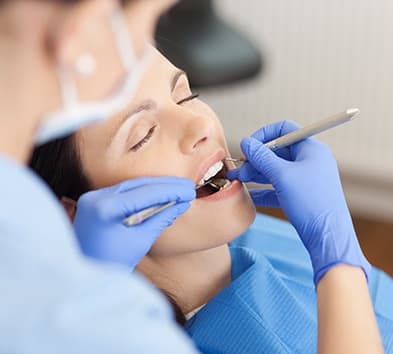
{"points": [[99, 218], [307, 187]]}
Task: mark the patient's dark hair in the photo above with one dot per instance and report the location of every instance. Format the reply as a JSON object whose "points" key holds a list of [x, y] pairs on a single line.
{"points": [[58, 164]]}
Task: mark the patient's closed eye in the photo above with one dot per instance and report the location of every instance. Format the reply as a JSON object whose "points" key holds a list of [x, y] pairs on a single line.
{"points": [[145, 139], [189, 98], [150, 133]]}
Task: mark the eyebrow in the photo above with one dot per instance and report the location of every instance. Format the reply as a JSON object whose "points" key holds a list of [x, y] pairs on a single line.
{"points": [[146, 105]]}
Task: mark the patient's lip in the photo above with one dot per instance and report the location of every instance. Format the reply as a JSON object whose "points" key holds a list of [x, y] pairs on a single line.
{"points": [[217, 156], [227, 192]]}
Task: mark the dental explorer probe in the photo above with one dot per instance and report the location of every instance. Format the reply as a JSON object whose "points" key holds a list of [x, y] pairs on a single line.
{"points": [[279, 143], [144, 214], [307, 131]]}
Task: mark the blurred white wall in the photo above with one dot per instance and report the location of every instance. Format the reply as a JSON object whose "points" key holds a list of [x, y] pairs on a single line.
{"points": [[321, 58]]}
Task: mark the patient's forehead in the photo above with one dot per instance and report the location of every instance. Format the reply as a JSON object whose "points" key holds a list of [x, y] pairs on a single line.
{"points": [[155, 80]]}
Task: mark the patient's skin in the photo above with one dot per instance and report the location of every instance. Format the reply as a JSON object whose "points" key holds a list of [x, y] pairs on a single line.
{"points": [[191, 258]]}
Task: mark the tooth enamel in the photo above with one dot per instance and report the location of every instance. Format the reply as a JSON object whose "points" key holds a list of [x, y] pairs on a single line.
{"points": [[212, 171]]}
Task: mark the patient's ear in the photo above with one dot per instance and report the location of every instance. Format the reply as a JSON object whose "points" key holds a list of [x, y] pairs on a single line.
{"points": [[69, 206]]}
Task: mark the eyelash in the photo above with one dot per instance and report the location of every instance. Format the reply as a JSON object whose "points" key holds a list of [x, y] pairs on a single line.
{"points": [[189, 98], [150, 133]]}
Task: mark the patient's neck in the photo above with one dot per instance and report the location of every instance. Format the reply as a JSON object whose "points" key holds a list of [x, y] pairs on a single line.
{"points": [[191, 279]]}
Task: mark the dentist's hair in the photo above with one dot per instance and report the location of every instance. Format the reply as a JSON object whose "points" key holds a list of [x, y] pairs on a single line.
{"points": [[58, 163]]}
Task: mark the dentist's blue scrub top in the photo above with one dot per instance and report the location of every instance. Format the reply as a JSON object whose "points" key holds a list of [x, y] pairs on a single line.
{"points": [[270, 305], [53, 300]]}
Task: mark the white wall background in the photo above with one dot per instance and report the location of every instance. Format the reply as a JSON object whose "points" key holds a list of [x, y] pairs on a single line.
{"points": [[321, 58]]}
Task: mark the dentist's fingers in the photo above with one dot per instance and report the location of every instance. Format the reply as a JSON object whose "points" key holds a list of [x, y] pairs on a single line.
{"points": [[261, 166], [274, 131], [166, 217], [246, 173], [265, 198], [116, 206], [265, 161], [155, 194]]}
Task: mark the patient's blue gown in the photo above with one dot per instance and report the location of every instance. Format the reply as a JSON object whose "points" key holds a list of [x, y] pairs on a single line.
{"points": [[270, 305]]}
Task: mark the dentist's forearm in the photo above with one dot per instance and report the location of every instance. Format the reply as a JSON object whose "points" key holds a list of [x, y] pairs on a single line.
{"points": [[346, 320]]}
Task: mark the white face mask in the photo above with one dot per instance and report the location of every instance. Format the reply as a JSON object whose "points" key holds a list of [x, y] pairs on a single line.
{"points": [[75, 114]]}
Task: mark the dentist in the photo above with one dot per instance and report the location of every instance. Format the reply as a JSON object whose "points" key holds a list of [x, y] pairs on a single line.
{"points": [[64, 64]]}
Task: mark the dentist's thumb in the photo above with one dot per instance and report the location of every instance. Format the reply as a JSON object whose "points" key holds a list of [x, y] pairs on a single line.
{"points": [[263, 159]]}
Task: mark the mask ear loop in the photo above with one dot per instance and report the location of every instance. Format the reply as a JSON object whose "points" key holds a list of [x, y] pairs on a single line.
{"points": [[68, 90], [134, 67], [122, 36], [127, 56]]}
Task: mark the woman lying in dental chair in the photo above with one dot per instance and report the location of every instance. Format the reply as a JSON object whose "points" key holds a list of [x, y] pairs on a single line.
{"points": [[254, 295]]}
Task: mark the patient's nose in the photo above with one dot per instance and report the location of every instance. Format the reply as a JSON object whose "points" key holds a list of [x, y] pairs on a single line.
{"points": [[198, 129]]}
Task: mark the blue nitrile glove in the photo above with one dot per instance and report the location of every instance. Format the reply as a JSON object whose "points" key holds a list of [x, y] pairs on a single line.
{"points": [[99, 218], [307, 187]]}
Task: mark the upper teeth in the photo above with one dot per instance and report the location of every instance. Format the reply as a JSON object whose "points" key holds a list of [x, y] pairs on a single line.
{"points": [[212, 171]]}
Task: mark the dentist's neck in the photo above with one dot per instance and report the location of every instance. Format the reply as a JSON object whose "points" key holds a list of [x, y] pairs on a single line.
{"points": [[191, 279]]}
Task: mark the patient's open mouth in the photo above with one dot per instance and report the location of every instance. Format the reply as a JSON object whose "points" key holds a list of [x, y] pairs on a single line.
{"points": [[213, 181]]}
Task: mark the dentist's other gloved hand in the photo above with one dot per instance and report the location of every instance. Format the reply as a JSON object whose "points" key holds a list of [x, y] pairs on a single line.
{"points": [[307, 187], [99, 218]]}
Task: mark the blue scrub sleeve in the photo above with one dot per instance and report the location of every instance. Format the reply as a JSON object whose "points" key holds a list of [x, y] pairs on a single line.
{"points": [[55, 301]]}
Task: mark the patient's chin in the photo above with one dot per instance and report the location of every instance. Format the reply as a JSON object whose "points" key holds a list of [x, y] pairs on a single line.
{"points": [[193, 232]]}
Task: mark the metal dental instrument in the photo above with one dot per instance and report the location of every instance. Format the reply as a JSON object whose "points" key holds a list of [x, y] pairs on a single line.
{"points": [[275, 144], [306, 132], [144, 214], [232, 159]]}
